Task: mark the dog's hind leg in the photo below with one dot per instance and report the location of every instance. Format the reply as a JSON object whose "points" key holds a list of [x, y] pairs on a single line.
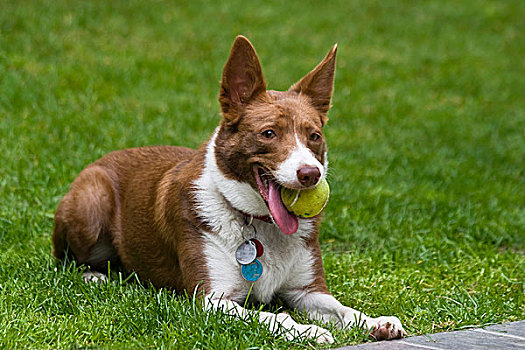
{"points": [[94, 277], [84, 218]]}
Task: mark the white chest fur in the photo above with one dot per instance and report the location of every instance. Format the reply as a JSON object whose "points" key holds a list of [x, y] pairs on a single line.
{"points": [[287, 261]]}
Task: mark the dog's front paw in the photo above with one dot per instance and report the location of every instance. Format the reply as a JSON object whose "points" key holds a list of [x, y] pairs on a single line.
{"points": [[387, 327], [320, 335]]}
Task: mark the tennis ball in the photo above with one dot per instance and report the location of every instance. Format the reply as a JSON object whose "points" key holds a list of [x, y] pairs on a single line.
{"points": [[306, 203]]}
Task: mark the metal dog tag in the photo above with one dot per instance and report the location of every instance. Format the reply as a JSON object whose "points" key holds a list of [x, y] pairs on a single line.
{"points": [[246, 253], [252, 272]]}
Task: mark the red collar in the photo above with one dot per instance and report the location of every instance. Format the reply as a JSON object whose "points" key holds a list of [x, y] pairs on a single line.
{"points": [[266, 218]]}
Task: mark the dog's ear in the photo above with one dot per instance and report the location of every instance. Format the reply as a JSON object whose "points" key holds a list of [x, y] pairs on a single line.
{"points": [[318, 85], [242, 79]]}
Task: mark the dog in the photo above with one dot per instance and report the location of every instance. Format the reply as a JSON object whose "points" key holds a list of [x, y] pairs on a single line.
{"points": [[189, 219]]}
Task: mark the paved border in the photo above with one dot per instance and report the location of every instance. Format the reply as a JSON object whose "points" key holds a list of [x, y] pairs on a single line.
{"points": [[503, 336]]}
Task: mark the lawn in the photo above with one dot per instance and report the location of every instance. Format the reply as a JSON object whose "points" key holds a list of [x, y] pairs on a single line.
{"points": [[427, 155]]}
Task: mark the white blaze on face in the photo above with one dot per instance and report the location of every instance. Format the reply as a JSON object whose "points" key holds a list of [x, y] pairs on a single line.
{"points": [[300, 156]]}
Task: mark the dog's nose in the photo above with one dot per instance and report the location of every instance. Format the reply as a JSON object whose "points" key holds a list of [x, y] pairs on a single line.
{"points": [[308, 175]]}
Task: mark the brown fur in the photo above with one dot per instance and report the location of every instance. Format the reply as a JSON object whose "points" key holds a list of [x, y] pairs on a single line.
{"points": [[117, 197]]}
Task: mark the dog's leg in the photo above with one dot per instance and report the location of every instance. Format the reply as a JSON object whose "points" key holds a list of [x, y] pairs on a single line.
{"points": [[83, 220], [324, 307], [278, 323]]}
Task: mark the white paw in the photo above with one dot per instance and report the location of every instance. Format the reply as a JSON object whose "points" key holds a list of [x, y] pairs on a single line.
{"points": [[386, 327], [94, 277], [320, 335]]}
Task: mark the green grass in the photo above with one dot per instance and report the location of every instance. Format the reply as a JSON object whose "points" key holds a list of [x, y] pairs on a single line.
{"points": [[427, 150]]}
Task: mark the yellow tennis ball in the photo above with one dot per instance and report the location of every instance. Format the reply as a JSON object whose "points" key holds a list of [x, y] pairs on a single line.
{"points": [[306, 203]]}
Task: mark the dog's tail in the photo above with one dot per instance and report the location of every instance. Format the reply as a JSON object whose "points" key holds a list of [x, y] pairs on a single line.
{"points": [[59, 239]]}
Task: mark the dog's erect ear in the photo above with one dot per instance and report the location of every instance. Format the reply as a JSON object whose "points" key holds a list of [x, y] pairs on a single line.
{"points": [[318, 85], [242, 79]]}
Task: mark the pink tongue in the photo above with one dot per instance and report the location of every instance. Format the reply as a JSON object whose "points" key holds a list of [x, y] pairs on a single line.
{"points": [[287, 222]]}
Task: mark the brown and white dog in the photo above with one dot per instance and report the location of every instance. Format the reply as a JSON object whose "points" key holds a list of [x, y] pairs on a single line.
{"points": [[176, 216]]}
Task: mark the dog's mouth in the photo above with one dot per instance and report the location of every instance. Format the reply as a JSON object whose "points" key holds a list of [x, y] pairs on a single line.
{"points": [[270, 191]]}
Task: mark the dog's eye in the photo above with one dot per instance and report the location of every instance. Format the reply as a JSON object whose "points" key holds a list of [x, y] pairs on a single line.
{"points": [[315, 137], [269, 134]]}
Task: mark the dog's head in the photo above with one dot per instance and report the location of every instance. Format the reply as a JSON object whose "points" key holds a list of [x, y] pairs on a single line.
{"points": [[269, 139]]}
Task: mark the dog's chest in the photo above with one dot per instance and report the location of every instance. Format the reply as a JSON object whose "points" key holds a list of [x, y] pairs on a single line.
{"points": [[286, 262]]}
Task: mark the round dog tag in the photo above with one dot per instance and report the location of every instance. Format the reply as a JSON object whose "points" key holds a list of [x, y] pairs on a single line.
{"points": [[253, 271], [246, 253], [259, 246]]}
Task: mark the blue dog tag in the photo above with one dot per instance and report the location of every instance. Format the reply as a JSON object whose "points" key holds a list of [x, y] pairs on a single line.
{"points": [[253, 271]]}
